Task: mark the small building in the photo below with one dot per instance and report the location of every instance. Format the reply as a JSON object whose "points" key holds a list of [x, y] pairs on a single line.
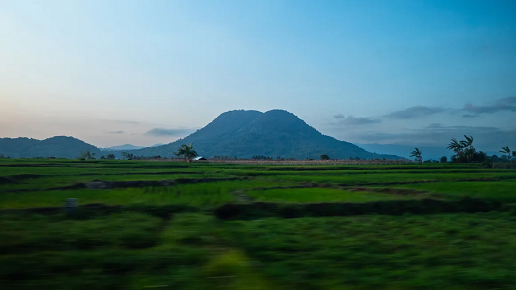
{"points": [[199, 158]]}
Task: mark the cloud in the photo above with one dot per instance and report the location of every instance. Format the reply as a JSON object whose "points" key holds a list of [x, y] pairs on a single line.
{"points": [[469, 116], [415, 112], [356, 121], [116, 132], [505, 104], [485, 138], [339, 116], [169, 132]]}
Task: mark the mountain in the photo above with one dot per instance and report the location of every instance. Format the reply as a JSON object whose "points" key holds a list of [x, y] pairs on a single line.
{"points": [[274, 133], [122, 147], [59, 146]]}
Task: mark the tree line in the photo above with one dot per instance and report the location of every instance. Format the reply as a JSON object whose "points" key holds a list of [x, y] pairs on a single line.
{"points": [[465, 152]]}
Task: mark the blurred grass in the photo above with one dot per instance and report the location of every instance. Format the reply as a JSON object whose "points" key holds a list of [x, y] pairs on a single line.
{"points": [[454, 251], [198, 194], [196, 251]]}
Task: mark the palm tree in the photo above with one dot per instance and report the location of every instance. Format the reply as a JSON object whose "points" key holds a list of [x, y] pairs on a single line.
{"points": [[417, 154], [506, 150], [186, 151], [455, 146], [469, 151]]}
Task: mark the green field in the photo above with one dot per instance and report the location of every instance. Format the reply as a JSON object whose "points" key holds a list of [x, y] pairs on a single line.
{"points": [[169, 225]]}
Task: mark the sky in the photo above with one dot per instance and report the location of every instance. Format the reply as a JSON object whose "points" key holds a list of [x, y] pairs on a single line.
{"points": [[145, 72]]}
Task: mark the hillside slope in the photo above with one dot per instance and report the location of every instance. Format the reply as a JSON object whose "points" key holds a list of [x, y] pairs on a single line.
{"points": [[59, 146], [275, 133]]}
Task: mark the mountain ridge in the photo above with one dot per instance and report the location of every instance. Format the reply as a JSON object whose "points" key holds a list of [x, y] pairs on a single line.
{"points": [[57, 146], [237, 133], [273, 133]]}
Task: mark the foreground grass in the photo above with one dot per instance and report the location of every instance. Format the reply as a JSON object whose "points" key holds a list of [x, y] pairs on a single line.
{"points": [[456, 251], [196, 251], [121, 251]]}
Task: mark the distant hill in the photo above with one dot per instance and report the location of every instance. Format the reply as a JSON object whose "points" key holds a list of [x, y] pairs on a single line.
{"points": [[275, 133], [429, 152], [59, 146], [121, 147]]}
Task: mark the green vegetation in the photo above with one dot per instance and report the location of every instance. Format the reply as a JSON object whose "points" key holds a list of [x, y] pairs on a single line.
{"points": [[187, 152], [456, 251], [417, 154], [314, 195], [178, 225]]}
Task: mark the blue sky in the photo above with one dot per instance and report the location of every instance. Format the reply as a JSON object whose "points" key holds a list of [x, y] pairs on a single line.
{"points": [[143, 72]]}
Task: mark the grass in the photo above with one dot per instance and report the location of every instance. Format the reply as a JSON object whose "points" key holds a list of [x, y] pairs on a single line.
{"points": [[504, 191], [384, 252], [353, 179], [121, 251], [314, 195], [24, 234], [167, 237], [200, 194], [196, 251]]}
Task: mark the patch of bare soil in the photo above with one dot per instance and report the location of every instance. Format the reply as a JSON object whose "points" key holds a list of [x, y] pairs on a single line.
{"points": [[388, 190], [100, 184], [258, 210], [55, 209]]}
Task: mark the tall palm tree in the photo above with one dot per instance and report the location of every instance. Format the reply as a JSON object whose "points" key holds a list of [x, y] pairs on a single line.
{"points": [[469, 151], [186, 151], [506, 150], [417, 154], [456, 146]]}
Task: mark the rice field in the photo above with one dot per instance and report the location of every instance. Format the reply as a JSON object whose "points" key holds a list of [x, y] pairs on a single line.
{"points": [[172, 225]]}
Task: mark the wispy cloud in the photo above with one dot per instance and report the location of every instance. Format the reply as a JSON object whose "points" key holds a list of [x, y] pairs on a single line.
{"points": [[169, 132], [505, 104], [415, 112], [355, 121], [116, 132]]}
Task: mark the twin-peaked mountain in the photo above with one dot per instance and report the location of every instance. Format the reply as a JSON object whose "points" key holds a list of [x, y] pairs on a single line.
{"points": [[274, 133], [235, 133]]}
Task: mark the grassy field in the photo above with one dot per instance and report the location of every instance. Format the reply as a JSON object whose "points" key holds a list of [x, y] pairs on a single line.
{"points": [[430, 226]]}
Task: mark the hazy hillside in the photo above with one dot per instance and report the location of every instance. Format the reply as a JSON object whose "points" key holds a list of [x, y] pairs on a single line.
{"points": [[274, 133], [121, 147], [59, 146]]}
